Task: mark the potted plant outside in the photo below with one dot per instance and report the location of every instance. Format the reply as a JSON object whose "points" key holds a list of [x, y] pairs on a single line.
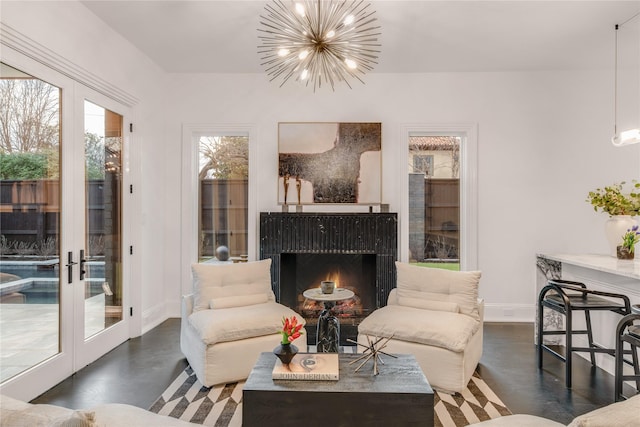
{"points": [[622, 208]]}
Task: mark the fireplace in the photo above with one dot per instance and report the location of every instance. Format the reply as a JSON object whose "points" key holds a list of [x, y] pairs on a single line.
{"points": [[356, 272], [356, 250]]}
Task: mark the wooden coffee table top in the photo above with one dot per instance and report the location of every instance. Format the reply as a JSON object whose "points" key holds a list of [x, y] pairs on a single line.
{"points": [[400, 375]]}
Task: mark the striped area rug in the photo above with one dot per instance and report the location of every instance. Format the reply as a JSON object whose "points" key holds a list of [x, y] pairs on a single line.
{"points": [[221, 406]]}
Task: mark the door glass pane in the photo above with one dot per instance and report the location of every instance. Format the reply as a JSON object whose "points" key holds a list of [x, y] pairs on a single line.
{"points": [[224, 191], [434, 201], [103, 243], [29, 221]]}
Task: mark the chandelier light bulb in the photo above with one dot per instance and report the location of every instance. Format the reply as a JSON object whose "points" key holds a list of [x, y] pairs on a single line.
{"points": [[335, 41]]}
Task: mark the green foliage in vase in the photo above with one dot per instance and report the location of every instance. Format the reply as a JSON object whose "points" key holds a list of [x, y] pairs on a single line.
{"points": [[631, 238], [614, 201]]}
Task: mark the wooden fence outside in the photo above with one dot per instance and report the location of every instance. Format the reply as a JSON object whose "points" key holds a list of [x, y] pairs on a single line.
{"points": [[29, 212]]}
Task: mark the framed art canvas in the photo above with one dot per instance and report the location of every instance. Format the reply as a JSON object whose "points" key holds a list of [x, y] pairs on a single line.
{"points": [[330, 163]]}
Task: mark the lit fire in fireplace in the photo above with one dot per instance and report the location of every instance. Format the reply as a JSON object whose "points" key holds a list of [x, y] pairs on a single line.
{"points": [[347, 308], [334, 276]]}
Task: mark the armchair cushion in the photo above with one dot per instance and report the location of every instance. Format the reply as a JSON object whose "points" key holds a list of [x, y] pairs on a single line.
{"points": [[429, 305], [447, 330], [438, 285], [232, 324], [238, 301], [216, 281]]}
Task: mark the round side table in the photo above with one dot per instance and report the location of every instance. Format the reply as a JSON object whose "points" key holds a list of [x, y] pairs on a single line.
{"points": [[328, 331]]}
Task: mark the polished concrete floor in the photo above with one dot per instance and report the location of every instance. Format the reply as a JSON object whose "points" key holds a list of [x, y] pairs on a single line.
{"points": [[139, 370]]}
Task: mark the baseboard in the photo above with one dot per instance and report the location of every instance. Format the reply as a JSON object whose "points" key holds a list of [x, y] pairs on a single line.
{"points": [[520, 313], [153, 316]]}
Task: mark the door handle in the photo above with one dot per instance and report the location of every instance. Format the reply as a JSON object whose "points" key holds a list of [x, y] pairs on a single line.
{"points": [[82, 262], [69, 266]]}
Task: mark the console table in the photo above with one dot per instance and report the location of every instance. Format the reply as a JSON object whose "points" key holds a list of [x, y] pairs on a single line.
{"points": [[399, 395], [598, 272]]}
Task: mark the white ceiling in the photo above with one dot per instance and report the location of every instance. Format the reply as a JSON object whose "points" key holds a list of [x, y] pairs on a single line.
{"points": [[417, 36]]}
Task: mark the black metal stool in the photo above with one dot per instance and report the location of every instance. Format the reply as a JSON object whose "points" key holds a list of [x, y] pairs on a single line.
{"points": [[565, 297], [627, 332]]}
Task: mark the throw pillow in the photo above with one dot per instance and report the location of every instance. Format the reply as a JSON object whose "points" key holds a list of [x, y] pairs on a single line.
{"points": [[435, 284], [213, 281]]}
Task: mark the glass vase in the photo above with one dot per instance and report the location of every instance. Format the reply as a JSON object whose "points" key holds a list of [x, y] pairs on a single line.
{"points": [[622, 252]]}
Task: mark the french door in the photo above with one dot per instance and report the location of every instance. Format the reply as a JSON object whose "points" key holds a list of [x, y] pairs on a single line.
{"points": [[63, 266]]}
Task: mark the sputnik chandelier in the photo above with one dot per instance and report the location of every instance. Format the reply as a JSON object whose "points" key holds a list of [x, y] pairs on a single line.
{"points": [[318, 42]]}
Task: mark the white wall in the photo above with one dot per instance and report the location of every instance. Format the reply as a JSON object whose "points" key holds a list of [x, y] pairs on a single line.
{"points": [[543, 144], [72, 33]]}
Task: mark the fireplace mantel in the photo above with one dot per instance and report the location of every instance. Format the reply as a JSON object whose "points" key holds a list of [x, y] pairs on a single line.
{"points": [[332, 233]]}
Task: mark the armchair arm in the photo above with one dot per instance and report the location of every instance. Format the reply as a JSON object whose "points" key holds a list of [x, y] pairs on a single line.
{"points": [[187, 306], [481, 309], [392, 299]]}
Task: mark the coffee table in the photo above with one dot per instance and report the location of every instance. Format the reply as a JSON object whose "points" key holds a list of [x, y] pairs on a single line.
{"points": [[399, 396]]}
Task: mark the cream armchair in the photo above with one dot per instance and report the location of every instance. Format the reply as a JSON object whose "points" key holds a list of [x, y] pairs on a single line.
{"points": [[231, 318], [436, 316]]}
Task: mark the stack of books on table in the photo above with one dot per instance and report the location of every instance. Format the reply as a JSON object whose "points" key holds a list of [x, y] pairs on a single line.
{"points": [[308, 366]]}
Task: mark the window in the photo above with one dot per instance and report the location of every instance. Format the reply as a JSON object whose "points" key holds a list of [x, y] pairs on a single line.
{"points": [[30, 144], [223, 184], [438, 224], [434, 194]]}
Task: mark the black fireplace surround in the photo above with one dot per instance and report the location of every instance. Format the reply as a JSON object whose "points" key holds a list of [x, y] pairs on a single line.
{"points": [[374, 234]]}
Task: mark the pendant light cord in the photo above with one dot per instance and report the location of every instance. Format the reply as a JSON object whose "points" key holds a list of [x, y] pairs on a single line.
{"points": [[615, 76], [615, 84]]}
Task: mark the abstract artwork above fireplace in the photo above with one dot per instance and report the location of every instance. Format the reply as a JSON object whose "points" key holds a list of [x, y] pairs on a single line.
{"points": [[329, 163]]}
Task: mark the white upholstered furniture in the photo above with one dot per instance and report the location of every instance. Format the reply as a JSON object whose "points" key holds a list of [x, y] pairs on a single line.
{"points": [[621, 414], [435, 315], [16, 413], [231, 318]]}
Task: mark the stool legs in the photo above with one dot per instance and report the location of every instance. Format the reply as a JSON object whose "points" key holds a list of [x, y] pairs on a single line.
{"points": [[540, 337], [569, 348], [587, 319], [565, 297], [634, 344]]}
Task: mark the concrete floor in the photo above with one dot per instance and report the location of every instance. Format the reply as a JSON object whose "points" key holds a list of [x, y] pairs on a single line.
{"points": [[139, 370]]}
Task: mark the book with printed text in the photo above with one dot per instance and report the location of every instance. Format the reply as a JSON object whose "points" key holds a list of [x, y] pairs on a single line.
{"points": [[308, 366]]}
